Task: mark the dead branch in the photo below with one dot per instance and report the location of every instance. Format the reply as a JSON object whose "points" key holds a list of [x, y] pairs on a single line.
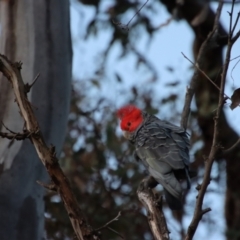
{"points": [[164, 24], [108, 223], [47, 154], [229, 150], [153, 205], [16, 136], [51, 187], [203, 73], [29, 86]]}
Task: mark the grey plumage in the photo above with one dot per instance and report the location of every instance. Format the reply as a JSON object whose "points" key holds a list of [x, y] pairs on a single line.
{"points": [[164, 150]]}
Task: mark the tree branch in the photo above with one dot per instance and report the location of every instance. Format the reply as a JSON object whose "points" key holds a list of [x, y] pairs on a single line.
{"points": [[16, 136], [153, 204], [198, 213], [108, 223], [29, 86], [229, 150], [46, 154], [126, 26]]}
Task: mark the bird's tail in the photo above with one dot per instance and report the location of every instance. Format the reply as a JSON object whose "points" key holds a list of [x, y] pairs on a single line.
{"points": [[173, 202]]}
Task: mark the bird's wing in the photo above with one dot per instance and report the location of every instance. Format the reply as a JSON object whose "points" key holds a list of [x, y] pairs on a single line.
{"points": [[163, 148], [165, 142]]}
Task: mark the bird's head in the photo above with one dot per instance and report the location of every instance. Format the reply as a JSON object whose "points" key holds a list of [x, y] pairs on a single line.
{"points": [[131, 118]]}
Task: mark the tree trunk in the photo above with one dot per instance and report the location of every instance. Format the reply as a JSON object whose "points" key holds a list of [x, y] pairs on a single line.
{"points": [[37, 33]]}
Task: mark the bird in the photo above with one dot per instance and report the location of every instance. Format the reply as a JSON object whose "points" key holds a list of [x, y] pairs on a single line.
{"points": [[163, 149]]}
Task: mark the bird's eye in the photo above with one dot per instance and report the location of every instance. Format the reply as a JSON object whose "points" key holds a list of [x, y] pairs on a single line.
{"points": [[129, 124]]}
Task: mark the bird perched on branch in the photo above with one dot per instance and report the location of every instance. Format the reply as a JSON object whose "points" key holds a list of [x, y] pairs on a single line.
{"points": [[162, 147]]}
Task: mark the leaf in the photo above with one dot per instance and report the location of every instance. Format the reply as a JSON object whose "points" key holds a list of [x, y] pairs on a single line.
{"points": [[96, 83], [172, 84], [170, 69], [119, 79], [235, 99], [170, 98]]}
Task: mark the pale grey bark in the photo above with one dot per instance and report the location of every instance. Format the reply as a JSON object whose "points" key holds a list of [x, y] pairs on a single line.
{"points": [[36, 33]]}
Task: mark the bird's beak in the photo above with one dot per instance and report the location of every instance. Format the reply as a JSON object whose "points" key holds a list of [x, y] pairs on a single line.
{"points": [[126, 134]]}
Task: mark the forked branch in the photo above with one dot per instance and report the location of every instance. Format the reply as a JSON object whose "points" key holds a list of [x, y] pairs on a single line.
{"points": [[153, 205]]}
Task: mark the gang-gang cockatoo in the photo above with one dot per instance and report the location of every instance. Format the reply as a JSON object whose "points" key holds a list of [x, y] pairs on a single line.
{"points": [[162, 147]]}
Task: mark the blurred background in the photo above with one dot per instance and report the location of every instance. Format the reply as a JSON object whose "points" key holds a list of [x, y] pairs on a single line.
{"points": [[120, 55], [144, 66]]}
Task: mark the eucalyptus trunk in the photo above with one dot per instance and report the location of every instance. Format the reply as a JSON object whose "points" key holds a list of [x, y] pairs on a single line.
{"points": [[37, 33]]}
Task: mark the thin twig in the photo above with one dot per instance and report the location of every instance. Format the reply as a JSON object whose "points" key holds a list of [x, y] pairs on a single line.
{"points": [[8, 128], [35, 80], [14, 136], [236, 21], [51, 187], [164, 24], [229, 150], [230, 22], [198, 212], [29, 86], [204, 74], [108, 223], [126, 26], [206, 210], [138, 11], [234, 39], [111, 229], [234, 68], [232, 59]]}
